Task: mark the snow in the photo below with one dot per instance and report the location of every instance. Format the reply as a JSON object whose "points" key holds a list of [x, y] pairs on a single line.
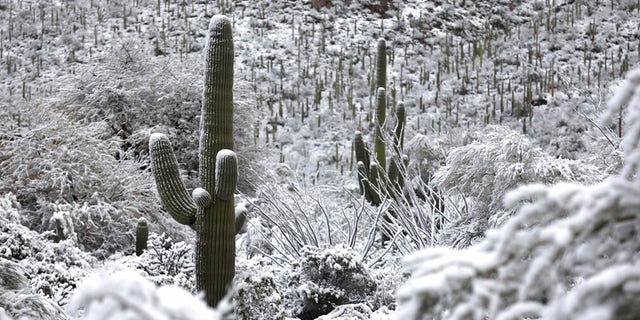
{"points": [[84, 83]]}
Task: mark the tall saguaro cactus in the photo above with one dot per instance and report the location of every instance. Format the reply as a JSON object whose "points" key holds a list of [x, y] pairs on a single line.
{"points": [[210, 209], [381, 101], [381, 64]]}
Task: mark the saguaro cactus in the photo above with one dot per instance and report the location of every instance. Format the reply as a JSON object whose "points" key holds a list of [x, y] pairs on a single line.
{"points": [[381, 101], [381, 64], [398, 141], [142, 236], [381, 115], [210, 209]]}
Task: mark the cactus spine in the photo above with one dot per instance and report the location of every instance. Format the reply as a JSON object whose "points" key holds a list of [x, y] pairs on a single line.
{"points": [[210, 209], [142, 236]]}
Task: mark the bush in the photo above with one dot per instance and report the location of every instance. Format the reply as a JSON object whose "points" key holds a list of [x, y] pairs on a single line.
{"points": [[257, 296], [52, 269], [323, 279], [126, 295], [17, 301], [168, 262], [570, 252], [483, 171]]}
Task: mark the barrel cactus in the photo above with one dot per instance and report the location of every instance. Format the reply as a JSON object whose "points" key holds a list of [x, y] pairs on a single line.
{"points": [[209, 210]]}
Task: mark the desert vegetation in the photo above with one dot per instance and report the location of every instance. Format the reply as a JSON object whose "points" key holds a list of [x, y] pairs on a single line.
{"points": [[339, 159]]}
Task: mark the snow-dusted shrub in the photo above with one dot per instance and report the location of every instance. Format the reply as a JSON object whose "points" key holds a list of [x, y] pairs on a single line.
{"points": [[52, 269], [9, 206], [484, 170], [60, 160], [358, 311], [257, 296], [127, 295], [323, 279], [168, 262], [16, 299], [428, 153], [133, 90], [100, 228], [570, 252], [137, 93]]}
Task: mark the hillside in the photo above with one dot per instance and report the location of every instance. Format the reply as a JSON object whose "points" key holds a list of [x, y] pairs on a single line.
{"points": [[480, 98]]}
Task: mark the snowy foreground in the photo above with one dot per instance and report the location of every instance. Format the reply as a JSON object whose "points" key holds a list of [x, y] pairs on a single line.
{"points": [[512, 140]]}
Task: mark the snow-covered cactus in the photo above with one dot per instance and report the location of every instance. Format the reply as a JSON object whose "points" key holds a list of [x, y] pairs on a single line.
{"points": [[401, 116], [241, 219], [381, 101], [374, 178], [362, 161], [210, 210], [381, 64], [142, 236], [398, 141], [381, 115]]}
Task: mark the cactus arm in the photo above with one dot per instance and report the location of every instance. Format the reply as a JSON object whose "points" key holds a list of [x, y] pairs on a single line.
{"points": [[226, 174], [374, 178], [396, 156], [241, 219], [173, 193], [381, 64], [401, 117], [201, 197], [362, 154], [363, 181], [381, 111]]}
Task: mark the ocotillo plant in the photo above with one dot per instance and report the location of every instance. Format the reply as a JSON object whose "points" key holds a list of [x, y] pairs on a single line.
{"points": [[210, 209], [142, 236]]}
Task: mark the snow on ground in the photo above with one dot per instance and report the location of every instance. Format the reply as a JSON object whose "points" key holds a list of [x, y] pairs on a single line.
{"points": [[84, 83]]}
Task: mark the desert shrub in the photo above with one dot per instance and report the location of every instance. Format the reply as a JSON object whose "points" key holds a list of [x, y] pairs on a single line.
{"points": [[58, 165], [484, 170], [100, 228], [52, 269], [257, 296], [137, 93], [16, 299], [124, 294], [323, 279], [570, 251], [167, 262]]}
